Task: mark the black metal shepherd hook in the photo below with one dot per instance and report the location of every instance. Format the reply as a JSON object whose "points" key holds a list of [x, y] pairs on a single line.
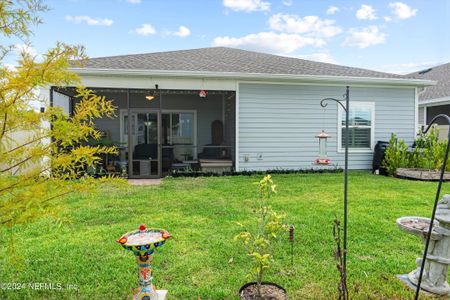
{"points": [[436, 199], [346, 108]]}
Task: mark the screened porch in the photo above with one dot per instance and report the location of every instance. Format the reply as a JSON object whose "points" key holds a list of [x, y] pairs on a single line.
{"points": [[161, 131]]}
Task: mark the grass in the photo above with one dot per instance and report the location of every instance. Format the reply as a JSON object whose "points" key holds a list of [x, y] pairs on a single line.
{"points": [[201, 214]]}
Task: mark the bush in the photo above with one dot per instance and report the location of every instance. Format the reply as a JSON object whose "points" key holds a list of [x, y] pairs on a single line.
{"points": [[428, 153]]}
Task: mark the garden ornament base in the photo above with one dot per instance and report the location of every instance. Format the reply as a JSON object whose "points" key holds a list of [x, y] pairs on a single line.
{"points": [[421, 174], [143, 243], [435, 273]]}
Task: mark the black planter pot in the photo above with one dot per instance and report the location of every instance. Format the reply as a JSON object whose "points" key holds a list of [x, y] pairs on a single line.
{"points": [[262, 283]]}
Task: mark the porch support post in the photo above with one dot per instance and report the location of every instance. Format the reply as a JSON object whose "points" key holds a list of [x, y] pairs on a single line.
{"points": [[130, 137], [159, 128]]}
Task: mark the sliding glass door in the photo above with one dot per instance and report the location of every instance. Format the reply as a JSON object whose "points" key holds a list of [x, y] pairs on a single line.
{"points": [[145, 144], [158, 141]]}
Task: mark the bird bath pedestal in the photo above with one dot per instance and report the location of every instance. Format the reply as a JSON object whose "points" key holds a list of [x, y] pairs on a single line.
{"points": [[434, 278], [143, 243]]}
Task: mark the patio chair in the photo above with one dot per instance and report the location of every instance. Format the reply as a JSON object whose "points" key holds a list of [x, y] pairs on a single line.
{"points": [[145, 151]]}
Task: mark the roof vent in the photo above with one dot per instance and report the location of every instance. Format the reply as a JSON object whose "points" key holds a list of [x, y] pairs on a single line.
{"points": [[425, 71]]}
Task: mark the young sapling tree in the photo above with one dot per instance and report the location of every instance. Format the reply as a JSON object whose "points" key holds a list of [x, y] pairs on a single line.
{"points": [[270, 227]]}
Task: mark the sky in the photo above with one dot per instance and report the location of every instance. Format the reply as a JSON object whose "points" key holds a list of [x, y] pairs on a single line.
{"points": [[391, 36]]}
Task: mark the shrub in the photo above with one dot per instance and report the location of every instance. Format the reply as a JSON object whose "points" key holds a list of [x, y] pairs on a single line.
{"points": [[395, 155], [428, 153]]}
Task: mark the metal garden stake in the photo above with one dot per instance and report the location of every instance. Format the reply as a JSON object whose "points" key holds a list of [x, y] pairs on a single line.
{"points": [[291, 241], [346, 108], [436, 199]]}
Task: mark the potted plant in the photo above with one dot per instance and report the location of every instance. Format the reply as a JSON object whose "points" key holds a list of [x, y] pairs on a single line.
{"points": [[260, 243]]}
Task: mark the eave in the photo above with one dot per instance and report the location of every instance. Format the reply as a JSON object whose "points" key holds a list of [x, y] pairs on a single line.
{"points": [[256, 77]]}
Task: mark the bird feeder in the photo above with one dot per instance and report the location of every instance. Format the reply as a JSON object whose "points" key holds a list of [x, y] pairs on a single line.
{"points": [[322, 159]]}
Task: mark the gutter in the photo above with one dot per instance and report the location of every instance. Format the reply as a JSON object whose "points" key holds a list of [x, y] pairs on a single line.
{"points": [[435, 101], [256, 76]]}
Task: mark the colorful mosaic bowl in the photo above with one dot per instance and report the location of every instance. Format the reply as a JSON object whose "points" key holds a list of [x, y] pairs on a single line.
{"points": [[144, 241]]}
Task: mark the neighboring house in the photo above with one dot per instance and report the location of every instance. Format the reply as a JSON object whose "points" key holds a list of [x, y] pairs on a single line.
{"points": [[217, 108], [435, 99]]}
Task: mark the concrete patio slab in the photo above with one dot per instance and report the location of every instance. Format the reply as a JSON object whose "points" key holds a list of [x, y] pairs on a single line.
{"points": [[144, 181]]}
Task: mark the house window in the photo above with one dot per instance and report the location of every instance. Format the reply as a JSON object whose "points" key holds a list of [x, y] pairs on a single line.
{"points": [[361, 127]]}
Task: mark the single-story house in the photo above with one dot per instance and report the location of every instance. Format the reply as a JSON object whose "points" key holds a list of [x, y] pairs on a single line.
{"points": [[434, 100], [221, 108]]}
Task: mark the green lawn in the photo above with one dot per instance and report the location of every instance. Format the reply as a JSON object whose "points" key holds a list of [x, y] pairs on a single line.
{"points": [[201, 214]]}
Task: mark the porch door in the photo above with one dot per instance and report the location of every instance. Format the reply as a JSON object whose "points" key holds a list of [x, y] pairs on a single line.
{"points": [[145, 141]]}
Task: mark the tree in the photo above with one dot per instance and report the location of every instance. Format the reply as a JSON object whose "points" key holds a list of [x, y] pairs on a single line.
{"points": [[43, 155]]}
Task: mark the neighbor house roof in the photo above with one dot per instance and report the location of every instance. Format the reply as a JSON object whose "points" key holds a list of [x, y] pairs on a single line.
{"points": [[227, 61], [440, 74]]}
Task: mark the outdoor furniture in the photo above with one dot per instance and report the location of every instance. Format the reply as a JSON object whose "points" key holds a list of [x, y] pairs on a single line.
{"points": [[216, 165], [179, 166], [214, 152], [142, 167], [145, 151], [217, 132], [167, 157], [193, 164]]}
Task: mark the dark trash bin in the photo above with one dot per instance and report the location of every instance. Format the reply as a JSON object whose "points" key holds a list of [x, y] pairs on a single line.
{"points": [[378, 157]]}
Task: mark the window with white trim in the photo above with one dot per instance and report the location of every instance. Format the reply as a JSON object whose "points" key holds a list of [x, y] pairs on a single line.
{"points": [[361, 126]]}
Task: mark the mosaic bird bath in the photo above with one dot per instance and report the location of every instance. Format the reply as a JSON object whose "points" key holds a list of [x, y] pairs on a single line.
{"points": [[434, 278], [143, 243]]}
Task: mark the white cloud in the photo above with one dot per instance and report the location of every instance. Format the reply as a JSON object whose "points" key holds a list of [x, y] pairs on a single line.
{"points": [[320, 57], [366, 12], [309, 25], [288, 2], [90, 21], [387, 19], [332, 10], [24, 48], [134, 1], [402, 11], [269, 42], [364, 38], [247, 5], [183, 31], [145, 30]]}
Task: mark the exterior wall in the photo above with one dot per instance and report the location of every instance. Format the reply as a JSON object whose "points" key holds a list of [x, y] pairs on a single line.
{"points": [[278, 123], [22, 137]]}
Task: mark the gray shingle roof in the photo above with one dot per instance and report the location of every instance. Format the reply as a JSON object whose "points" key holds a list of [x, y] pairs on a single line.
{"points": [[221, 59], [441, 74]]}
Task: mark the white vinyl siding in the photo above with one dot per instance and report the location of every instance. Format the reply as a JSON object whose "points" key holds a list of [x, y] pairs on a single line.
{"points": [[278, 123]]}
